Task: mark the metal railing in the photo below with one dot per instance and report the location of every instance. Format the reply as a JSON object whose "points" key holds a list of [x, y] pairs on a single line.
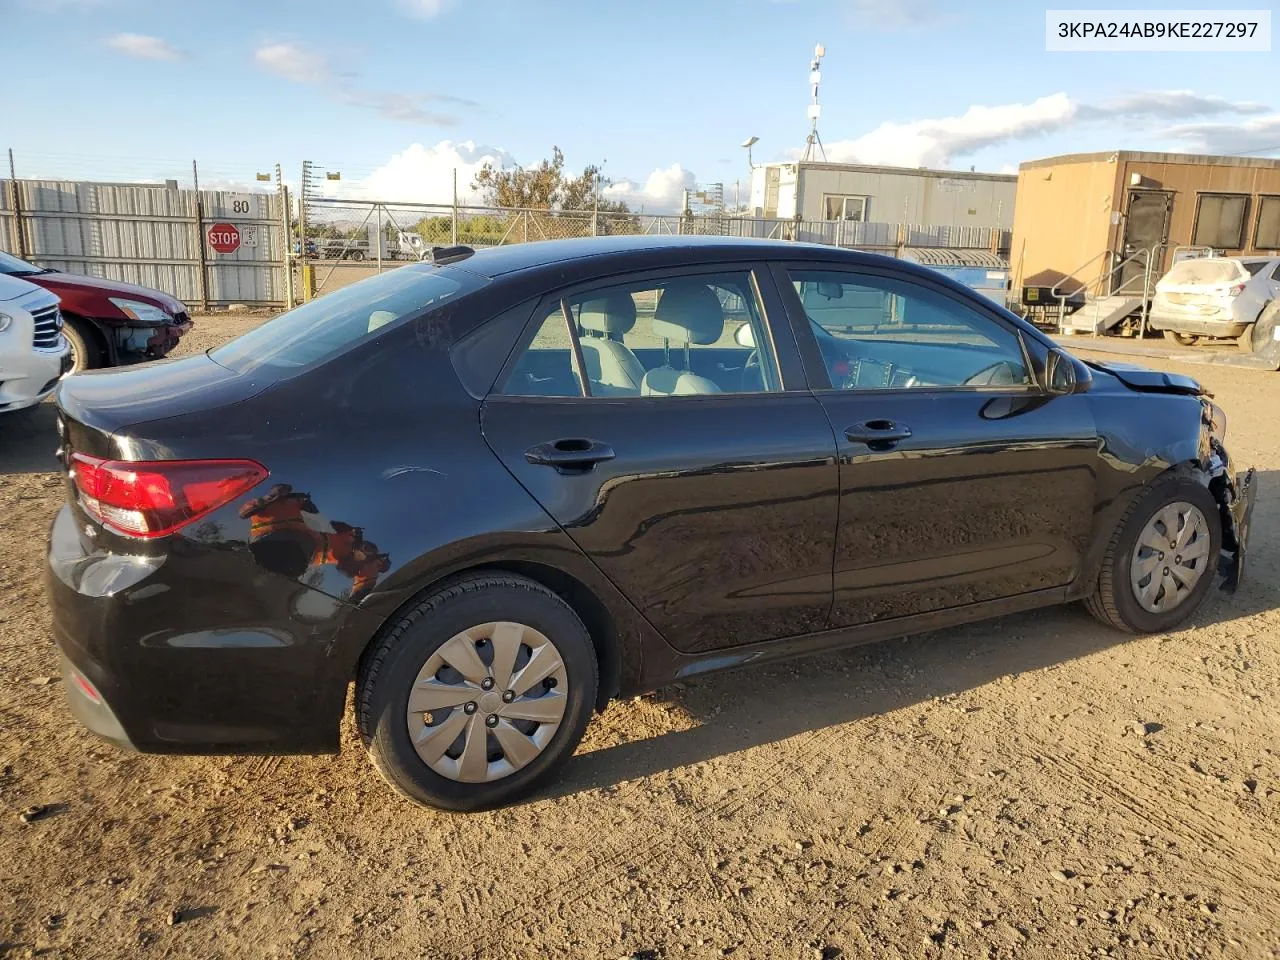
{"points": [[1103, 285], [1062, 296]]}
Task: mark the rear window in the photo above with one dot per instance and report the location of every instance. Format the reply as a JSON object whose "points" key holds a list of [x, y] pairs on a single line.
{"points": [[336, 321], [1204, 271], [1255, 267]]}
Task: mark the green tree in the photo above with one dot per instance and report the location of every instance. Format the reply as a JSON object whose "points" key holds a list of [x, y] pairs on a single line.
{"points": [[545, 187]]}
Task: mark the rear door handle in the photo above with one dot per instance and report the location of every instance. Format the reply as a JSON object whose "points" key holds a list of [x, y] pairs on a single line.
{"points": [[569, 454], [877, 434]]}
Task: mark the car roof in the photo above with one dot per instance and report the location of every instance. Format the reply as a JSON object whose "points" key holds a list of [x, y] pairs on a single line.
{"points": [[641, 251]]}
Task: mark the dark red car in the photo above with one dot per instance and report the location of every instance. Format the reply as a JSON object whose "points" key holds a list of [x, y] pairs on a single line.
{"points": [[108, 322]]}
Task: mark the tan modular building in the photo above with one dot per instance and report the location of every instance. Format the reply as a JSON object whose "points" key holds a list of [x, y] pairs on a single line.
{"points": [[1079, 217], [813, 191]]}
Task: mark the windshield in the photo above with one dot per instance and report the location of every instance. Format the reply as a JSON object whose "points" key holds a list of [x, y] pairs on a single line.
{"points": [[336, 321], [17, 268]]}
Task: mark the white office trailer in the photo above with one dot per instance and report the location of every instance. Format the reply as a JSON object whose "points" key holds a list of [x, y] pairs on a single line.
{"points": [[850, 192]]}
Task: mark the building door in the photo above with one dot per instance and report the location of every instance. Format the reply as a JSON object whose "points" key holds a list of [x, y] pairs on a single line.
{"points": [[1146, 225]]}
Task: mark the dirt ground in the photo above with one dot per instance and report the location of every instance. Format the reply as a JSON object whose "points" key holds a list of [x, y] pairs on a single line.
{"points": [[1032, 787]]}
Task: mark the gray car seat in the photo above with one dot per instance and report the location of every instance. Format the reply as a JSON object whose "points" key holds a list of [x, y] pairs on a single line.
{"points": [[687, 312], [612, 368]]}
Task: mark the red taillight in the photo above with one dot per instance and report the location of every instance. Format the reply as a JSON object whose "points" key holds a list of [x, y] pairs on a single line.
{"points": [[1236, 290], [87, 688], [155, 498]]}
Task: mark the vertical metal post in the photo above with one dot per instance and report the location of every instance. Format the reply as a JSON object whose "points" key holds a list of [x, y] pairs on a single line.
{"points": [[308, 271], [453, 233], [378, 208], [203, 275], [286, 243], [19, 241], [595, 208]]}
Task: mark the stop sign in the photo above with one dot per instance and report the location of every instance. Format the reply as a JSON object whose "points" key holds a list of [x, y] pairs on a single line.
{"points": [[224, 237]]}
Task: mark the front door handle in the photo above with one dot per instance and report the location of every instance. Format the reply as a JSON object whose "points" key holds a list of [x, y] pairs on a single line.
{"points": [[877, 434], [569, 454]]}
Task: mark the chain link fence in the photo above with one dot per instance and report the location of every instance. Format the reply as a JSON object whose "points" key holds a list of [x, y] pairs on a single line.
{"points": [[218, 236], [347, 239]]}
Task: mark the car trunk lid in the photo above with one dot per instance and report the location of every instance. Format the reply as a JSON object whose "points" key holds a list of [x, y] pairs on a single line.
{"points": [[94, 406]]}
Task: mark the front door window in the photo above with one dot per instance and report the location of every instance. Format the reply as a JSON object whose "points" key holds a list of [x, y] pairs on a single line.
{"points": [[882, 333]]}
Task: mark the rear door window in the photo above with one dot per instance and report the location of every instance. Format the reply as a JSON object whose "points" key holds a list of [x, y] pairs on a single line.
{"points": [[335, 322], [672, 336]]}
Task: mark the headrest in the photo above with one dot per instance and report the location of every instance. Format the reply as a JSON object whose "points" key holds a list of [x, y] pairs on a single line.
{"points": [[614, 313], [688, 312]]}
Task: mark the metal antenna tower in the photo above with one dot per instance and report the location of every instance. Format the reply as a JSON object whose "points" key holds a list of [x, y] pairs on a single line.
{"points": [[815, 108]]}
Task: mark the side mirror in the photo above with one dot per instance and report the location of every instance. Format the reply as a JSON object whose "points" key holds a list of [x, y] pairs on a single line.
{"points": [[744, 337], [1065, 375]]}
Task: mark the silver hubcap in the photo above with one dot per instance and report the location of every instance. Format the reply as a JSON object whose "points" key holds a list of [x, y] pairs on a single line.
{"points": [[487, 702], [1171, 556]]}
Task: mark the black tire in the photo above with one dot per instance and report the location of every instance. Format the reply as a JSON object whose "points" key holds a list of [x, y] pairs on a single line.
{"points": [[390, 666], [1182, 339], [84, 344], [1113, 601]]}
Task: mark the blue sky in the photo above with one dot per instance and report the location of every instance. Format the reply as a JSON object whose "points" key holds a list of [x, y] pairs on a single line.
{"points": [[396, 93]]}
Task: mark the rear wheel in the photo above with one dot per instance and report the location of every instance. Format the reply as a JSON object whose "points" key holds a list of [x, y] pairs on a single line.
{"points": [[85, 352], [478, 694], [1161, 560], [1182, 339]]}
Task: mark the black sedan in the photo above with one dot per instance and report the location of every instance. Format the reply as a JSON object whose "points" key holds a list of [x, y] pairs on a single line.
{"points": [[499, 489]]}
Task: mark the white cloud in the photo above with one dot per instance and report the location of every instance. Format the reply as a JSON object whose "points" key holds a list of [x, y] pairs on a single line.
{"points": [[58, 6], [1257, 136], [1169, 105], [661, 192], [293, 62], [407, 107], [422, 9], [421, 174], [938, 142], [144, 47], [933, 143], [302, 65], [896, 14], [424, 174]]}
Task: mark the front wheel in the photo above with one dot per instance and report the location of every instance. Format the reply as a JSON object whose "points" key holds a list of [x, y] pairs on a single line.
{"points": [[85, 353], [1161, 560], [478, 694]]}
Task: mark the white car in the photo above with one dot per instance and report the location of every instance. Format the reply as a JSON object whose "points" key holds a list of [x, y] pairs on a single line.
{"points": [[1214, 297], [34, 354]]}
